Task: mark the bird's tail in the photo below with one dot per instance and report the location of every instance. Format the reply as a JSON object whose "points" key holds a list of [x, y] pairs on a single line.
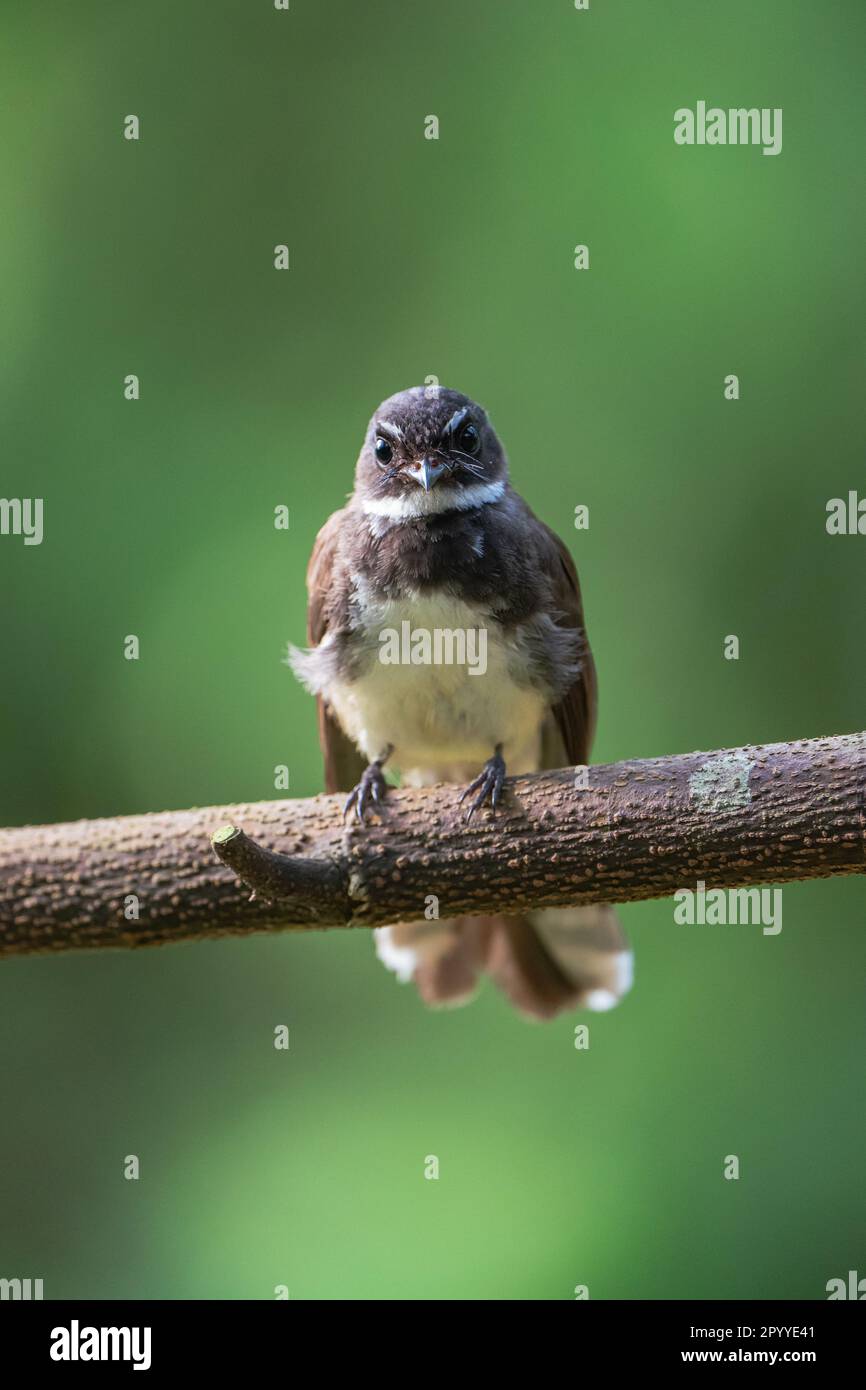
{"points": [[546, 962]]}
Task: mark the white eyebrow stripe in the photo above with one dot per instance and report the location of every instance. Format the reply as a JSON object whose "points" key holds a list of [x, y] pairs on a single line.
{"points": [[387, 428], [456, 419], [429, 503]]}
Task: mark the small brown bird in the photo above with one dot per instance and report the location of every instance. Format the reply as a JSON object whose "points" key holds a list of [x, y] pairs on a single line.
{"points": [[435, 553]]}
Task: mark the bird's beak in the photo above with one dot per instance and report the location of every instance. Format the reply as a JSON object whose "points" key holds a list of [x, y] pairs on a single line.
{"points": [[427, 473]]}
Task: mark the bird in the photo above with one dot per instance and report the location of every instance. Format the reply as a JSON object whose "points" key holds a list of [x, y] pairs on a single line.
{"points": [[435, 537]]}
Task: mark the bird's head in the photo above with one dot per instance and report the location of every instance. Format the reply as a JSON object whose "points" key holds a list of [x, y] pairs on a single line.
{"points": [[429, 450]]}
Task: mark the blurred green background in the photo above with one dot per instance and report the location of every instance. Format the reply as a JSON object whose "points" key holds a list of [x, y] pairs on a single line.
{"points": [[412, 257]]}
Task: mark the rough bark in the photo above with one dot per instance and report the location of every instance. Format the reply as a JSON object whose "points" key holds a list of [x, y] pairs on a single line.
{"points": [[640, 829]]}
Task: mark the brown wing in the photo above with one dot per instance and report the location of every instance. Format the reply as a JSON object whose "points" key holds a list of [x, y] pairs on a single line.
{"points": [[569, 729], [343, 763]]}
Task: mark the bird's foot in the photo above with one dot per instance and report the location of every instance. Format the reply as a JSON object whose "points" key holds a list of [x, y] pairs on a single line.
{"points": [[488, 784], [371, 788]]}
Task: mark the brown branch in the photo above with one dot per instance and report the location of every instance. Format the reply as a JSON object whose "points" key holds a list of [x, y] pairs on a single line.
{"points": [[638, 829]]}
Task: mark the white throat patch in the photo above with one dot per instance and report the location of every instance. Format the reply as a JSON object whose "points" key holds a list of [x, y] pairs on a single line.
{"points": [[420, 503]]}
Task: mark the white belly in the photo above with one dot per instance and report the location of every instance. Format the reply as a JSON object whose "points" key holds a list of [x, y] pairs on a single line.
{"points": [[442, 720]]}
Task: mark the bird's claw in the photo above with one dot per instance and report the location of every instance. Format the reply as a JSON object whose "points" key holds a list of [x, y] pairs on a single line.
{"points": [[488, 784], [371, 787]]}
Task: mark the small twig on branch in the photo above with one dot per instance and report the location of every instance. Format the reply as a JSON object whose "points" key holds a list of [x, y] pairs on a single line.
{"points": [[306, 884], [611, 833]]}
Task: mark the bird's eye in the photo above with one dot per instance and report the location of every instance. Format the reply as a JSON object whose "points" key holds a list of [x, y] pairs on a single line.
{"points": [[384, 452], [469, 440]]}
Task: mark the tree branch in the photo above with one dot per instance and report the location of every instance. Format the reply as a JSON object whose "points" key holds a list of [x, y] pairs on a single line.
{"points": [[638, 829]]}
